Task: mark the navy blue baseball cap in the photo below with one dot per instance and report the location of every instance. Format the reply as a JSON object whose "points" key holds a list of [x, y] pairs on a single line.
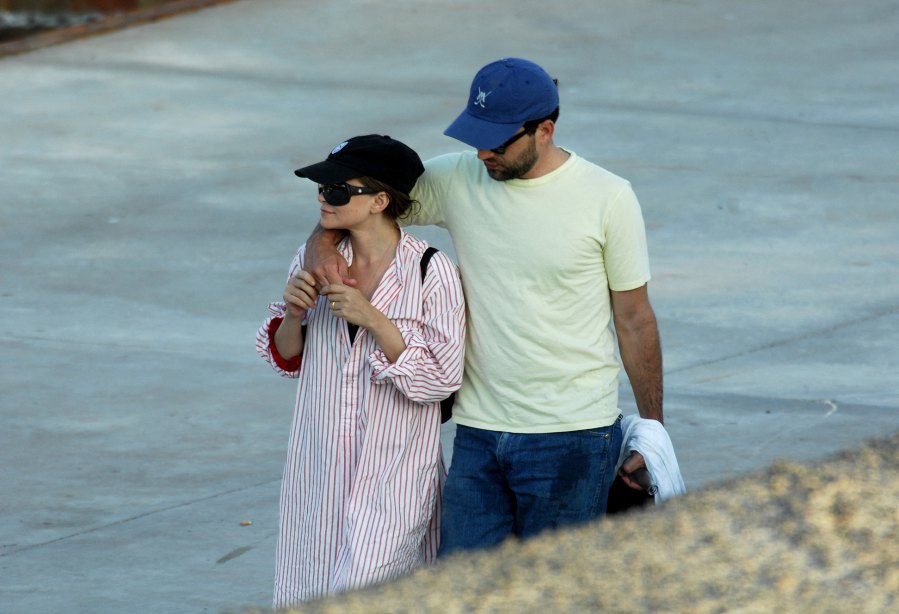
{"points": [[504, 94]]}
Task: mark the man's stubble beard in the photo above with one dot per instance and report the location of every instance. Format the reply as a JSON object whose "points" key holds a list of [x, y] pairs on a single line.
{"points": [[514, 169]]}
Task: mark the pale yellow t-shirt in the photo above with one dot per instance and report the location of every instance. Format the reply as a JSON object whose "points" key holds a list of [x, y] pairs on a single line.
{"points": [[537, 258]]}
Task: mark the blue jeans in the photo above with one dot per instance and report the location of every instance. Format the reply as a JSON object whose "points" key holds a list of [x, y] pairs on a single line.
{"points": [[502, 484]]}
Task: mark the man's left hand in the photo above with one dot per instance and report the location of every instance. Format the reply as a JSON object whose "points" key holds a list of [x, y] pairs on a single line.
{"points": [[633, 472]]}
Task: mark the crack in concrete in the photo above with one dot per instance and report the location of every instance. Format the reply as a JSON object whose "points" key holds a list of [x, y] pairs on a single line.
{"points": [[786, 342], [136, 517]]}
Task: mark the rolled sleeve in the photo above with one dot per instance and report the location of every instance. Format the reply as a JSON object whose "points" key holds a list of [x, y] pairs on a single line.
{"points": [[430, 368], [266, 348], [265, 336], [405, 366]]}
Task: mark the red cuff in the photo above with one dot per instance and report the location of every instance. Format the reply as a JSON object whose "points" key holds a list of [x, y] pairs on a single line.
{"points": [[292, 365]]}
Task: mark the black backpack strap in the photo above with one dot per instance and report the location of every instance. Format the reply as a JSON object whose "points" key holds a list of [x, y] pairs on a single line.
{"points": [[446, 405], [425, 259]]}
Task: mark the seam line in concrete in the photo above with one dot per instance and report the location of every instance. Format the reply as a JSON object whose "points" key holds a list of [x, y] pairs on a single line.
{"points": [[682, 111], [785, 342], [135, 517], [237, 349]]}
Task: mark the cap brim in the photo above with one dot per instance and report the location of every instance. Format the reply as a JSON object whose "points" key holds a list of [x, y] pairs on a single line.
{"points": [[326, 172], [479, 133]]}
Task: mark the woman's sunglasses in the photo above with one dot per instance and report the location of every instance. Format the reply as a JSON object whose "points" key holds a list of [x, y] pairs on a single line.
{"points": [[339, 194]]}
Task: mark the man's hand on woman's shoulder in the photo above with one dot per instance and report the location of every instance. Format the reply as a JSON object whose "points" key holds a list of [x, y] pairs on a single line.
{"points": [[323, 261]]}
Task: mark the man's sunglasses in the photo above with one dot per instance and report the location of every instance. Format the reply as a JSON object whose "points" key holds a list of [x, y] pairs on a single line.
{"points": [[339, 194], [529, 128]]}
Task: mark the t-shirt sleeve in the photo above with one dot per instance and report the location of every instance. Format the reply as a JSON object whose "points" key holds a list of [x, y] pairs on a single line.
{"points": [[625, 252], [431, 192]]}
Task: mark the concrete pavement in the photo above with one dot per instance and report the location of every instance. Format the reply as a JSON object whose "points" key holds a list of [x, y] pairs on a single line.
{"points": [[148, 213]]}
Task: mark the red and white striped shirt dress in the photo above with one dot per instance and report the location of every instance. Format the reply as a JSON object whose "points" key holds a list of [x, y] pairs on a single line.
{"points": [[360, 496]]}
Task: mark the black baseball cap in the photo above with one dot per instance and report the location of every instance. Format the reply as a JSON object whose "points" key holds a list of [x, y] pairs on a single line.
{"points": [[372, 155]]}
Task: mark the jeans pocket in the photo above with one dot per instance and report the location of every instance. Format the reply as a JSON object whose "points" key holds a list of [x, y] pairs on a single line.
{"points": [[605, 432]]}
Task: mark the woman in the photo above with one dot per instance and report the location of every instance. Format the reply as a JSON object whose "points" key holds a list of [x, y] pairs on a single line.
{"points": [[361, 491]]}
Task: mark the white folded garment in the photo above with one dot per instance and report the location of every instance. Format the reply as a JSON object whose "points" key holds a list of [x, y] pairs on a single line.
{"points": [[649, 438]]}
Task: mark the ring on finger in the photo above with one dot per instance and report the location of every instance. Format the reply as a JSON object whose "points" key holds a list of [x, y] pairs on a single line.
{"points": [[333, 304]]}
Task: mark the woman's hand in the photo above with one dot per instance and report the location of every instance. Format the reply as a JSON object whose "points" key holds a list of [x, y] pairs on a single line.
{"points": [[300, 294], [349, 304]]}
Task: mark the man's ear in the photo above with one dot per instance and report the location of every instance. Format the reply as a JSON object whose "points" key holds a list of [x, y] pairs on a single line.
{"points": [[379, 202], [545, 131]]}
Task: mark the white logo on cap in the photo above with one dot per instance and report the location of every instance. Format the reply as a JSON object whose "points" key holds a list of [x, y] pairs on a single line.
{"points": [[339, 147], [481, 98]]}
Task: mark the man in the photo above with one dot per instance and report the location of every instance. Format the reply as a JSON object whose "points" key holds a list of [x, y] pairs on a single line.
{"points": [[552, 248]]}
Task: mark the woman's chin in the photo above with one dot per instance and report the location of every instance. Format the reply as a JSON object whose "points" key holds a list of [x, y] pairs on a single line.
{"points": [[328, 221]]}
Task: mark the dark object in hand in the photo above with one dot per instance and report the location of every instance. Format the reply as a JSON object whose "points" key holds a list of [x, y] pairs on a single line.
{"points": [[623, 498]]}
